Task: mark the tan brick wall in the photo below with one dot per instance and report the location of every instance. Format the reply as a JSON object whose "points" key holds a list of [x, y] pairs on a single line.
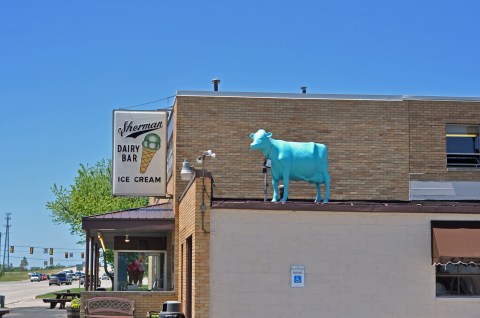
{"points": [[367, 143], [375, 147], [144, 302], [428, 120], [192, 223]]}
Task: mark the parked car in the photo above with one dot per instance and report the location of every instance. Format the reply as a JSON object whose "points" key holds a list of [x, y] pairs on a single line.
{"points": [[60, 278], [44, 277], [35, 278]]}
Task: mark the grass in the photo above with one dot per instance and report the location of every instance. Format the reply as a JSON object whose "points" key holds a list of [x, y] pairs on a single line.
{"points": [[52, 295], [14, 276], [19, 276]]}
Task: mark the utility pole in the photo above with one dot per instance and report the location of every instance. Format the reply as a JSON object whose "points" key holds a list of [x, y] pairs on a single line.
{"points": [[7, 241]]}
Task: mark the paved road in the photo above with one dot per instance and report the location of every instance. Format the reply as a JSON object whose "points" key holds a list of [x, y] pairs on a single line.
{"points": [[25, 290], [20, 298], [15, 292], [35, 308]]}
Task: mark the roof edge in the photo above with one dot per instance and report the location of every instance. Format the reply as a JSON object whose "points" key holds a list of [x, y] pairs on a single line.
{"points": [[457, 207], [325, 96]]}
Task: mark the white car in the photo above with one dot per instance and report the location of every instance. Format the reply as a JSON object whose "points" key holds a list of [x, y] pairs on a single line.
{"points": [[35, 278]]}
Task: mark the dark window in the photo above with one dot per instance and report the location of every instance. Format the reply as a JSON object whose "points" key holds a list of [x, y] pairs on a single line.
{"points": [[458, 280], [463, 146]]}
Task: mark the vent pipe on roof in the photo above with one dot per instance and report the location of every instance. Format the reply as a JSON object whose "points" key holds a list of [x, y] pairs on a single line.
{"points": [[304, 89], [215, 83]]}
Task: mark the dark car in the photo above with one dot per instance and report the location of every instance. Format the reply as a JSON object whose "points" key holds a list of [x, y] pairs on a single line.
{"points": [[59, 279], [53, 280]]}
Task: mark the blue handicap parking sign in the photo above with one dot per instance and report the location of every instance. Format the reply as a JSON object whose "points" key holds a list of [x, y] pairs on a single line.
{"points": [[297, 279]]}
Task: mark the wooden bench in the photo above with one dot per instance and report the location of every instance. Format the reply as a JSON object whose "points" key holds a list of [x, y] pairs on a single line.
{"points": [[98, 307], [4, 312], [54, 301]]}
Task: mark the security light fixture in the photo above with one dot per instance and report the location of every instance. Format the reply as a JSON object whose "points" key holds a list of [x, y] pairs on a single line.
{"points": [[208, 153], [187, 171], [127, 239]]}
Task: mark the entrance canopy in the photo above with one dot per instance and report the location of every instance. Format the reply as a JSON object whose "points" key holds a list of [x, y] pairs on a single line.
{"points": [[149, 221], [455, 242], [142, 233]]}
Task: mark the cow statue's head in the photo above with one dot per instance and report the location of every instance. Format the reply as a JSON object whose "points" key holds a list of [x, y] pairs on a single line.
{"points": [[261, 140]]}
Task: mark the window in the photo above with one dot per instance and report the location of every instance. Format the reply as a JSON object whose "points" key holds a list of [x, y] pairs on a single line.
{"points": [[140, 270], [463, 146], [462, 279]]}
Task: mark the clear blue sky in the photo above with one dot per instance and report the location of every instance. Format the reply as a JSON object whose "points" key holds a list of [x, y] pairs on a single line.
{"points": [[65, 65]]}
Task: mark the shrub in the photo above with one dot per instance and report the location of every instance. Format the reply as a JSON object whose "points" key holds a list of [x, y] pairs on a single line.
{"points": [[75, 303]]}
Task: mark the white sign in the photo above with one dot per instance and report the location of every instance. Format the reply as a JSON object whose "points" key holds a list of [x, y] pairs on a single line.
{"points": [[297, 276], [139, 153]]}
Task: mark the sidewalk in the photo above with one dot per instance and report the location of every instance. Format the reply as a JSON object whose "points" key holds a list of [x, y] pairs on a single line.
{"points": [[34, 308]]}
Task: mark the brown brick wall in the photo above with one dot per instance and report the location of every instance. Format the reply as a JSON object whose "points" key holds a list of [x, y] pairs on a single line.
{"points": [[375, 147], [428, 120], [367, 143]]}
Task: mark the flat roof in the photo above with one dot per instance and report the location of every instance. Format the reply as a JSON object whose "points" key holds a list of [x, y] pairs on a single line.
{"points": [[324, 96], [455, 207]]}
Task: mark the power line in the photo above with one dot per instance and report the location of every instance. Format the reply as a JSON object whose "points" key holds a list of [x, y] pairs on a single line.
{"points": [[152, 102], [57, 248]]}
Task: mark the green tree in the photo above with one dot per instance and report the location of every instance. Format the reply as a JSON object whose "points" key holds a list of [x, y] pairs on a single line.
{"points": [[23, 264], [90, 194]]}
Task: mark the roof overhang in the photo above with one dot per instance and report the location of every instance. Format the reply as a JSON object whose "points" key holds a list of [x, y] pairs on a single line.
{"points": [[151, 221]]}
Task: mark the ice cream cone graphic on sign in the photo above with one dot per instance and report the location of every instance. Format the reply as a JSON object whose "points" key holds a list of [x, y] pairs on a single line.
{"points": [[150, 145]]}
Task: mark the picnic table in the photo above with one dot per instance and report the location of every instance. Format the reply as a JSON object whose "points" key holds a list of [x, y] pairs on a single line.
{"points": [[61, 298]]}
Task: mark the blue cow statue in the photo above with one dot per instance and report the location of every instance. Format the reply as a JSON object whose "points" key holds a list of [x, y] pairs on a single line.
{"points": [[297, 161]]}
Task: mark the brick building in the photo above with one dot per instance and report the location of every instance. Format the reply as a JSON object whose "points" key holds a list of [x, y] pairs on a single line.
{"points": [[397, 239], [402, 168]]}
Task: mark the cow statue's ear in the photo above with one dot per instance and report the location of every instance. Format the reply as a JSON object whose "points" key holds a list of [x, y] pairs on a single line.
{"points": [[252, 135], [269, 134]]}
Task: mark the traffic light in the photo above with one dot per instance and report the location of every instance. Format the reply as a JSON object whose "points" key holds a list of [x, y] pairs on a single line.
{"points": [[31, 250], [66, 254], [12, 249], [83, 254], [51, 251]]}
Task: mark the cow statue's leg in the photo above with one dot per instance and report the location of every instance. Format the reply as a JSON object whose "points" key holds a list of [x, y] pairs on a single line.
{"points": [[286, 179], [327, 188], [275, 189], [318, 199]]}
